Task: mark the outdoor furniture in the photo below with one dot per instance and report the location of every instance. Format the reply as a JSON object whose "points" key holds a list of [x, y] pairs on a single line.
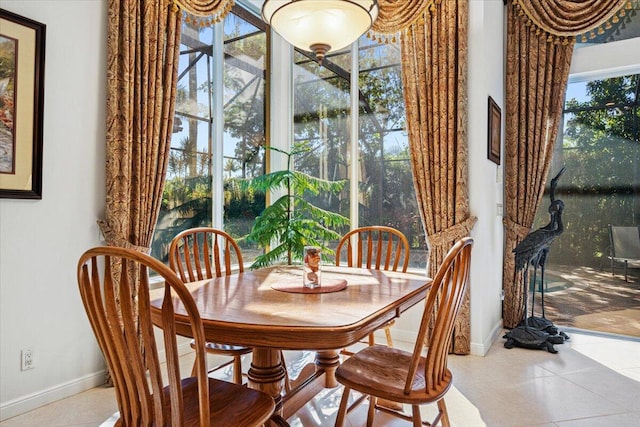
{"points": [[203, 253], [114, 287], [411, 378], [624, 247], [378, 247]]}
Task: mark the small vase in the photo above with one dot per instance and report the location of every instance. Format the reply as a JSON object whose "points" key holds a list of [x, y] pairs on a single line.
{"points": [[312, 267]]}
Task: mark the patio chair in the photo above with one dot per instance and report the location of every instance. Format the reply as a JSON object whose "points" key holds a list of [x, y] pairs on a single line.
{"points": [[624, 247]]}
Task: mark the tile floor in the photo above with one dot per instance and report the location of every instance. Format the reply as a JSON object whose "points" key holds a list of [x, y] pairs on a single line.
{"points": [[592, 380]]}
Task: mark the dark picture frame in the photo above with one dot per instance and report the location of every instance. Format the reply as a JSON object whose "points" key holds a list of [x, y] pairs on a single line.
{"points": [[22, 54], [494, 131]]}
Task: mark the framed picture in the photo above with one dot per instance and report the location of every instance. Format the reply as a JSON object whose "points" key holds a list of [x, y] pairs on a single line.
{"points": [[495, 125], [22, 51]]}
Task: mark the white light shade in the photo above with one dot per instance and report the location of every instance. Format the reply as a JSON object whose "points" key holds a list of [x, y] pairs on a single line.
{"points": [[320, 26]]}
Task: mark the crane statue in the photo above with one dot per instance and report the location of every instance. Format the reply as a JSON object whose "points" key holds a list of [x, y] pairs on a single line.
{"points": [[538, 332]]}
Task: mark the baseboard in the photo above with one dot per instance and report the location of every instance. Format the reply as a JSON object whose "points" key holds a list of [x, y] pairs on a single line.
{"points": [[44, 397], [482, 349], [475, 348], [40, 398]]}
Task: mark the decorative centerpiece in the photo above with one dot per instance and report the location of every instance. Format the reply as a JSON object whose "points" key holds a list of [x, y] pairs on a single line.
{"points": [[312, 274]]}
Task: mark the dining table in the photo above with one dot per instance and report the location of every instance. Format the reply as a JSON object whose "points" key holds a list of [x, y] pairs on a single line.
{"points": [[270, 310]]}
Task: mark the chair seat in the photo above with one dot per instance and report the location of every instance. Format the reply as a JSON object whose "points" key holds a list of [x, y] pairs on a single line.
{"points": [[230, 350], [249, 407], [386, 373], [632, 262]]}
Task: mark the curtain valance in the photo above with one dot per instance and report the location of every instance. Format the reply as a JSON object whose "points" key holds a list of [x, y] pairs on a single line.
{"points": [[397, 15], [215, 10], [568, 18]]}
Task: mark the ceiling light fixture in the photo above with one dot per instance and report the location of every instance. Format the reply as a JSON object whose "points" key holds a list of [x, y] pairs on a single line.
{"points": [[320, 26]]}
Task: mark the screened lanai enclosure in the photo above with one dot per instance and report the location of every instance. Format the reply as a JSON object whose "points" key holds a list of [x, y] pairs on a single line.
{"points": [[230, 102], [599, 144]]}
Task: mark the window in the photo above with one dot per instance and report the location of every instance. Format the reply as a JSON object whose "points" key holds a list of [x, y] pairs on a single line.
{"points": [[381, 190], [221, 131], [210, 149], [599, 144]]}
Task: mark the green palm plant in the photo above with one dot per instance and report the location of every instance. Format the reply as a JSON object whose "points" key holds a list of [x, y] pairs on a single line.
{"points": [[290, 223]]}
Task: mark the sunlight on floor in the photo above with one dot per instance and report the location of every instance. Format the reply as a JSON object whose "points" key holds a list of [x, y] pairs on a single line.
{"points": [[593, 380]]}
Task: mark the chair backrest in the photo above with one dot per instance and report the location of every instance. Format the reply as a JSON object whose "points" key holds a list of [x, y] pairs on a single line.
{"points": [[204, 253], [376, 247], [443, 301], [625, 242], [114, 286]]}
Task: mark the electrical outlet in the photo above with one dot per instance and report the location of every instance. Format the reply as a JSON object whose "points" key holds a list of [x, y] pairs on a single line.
{"points": [[26, 359]]}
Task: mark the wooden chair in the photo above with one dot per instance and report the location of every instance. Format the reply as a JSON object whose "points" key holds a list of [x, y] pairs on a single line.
{"points": [[410, 378], [204, 253], [114, 286], [379, 248]]}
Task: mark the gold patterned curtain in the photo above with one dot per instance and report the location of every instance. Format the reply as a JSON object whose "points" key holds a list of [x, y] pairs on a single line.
{"points": [[216, 9], [142, 56], [142, 50], [143, 42], [397, 15], [540, 39], [433, 36]]}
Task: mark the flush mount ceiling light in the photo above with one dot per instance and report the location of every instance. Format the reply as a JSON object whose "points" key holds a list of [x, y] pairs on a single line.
{"points": [[320, 26]]}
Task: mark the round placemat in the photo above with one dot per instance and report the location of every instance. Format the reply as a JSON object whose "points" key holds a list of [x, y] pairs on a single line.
{"points": [[328, 285]]}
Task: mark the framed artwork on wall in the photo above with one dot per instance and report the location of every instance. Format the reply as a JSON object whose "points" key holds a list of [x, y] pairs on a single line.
{"points": [[495, 125], [22, 53]]}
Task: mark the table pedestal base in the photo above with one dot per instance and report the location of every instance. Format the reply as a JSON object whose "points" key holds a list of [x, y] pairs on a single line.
{"points": [[267, 375]]}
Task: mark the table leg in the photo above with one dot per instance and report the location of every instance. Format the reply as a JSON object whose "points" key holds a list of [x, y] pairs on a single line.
{"points": [[267, 374], [328, 361]]}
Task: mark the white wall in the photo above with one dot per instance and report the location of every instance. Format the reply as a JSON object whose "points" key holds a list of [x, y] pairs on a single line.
{"points": [[486, 78], [41, 241]]}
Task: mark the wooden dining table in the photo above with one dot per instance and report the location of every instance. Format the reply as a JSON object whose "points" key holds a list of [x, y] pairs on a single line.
{"points": [[269, 311]]}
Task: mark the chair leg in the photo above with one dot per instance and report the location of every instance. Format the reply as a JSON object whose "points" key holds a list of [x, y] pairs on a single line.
{"points": [[342, 409], [237, 369], [417, 419], [372, 411], [387, 332], [442, 407], [372, 339], [626, 265], [287, 380]]}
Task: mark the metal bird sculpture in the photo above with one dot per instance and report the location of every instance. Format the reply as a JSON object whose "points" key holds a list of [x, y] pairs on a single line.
{"points": [[533, 251], [534, 248]]}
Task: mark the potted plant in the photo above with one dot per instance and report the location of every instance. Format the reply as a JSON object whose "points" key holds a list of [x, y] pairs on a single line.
{"points": [[290, 223]]}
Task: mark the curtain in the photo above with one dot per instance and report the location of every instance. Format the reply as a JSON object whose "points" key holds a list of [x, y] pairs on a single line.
{"points": [[142, 50], [540, 40], [433, 37], [434, 66], [143, 42], [398, 15]]}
